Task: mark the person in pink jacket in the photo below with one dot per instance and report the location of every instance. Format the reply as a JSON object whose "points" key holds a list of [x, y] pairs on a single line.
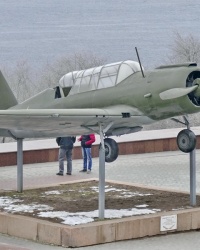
{"points": [[86, 144]]}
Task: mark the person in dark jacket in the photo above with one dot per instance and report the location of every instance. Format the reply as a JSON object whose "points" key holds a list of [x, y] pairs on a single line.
{"points": [[86, 144], [66, 145]]}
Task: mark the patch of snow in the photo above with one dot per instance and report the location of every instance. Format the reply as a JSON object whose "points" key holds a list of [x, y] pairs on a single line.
{"points": [[85, 217], [176, 209], [7, 204], [126, 193], [27, 208], [144, 205], [5, 201], [132, 194], [108, 189], [53, 192]]}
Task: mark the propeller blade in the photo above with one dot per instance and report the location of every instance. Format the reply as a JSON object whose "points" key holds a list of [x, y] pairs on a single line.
{"points": [[176, 92]]}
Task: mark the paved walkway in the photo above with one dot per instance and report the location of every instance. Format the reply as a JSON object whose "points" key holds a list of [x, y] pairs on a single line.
{"points": [[185, 241], [168, 170]]}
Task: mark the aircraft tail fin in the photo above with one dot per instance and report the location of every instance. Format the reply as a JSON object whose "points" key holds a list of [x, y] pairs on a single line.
{"points": [[7, 98]]}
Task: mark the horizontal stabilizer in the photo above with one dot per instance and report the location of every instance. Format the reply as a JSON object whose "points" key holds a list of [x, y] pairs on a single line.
{"points": [[176, 92]]}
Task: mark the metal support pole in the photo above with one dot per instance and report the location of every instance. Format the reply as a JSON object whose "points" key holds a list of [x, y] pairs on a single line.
{"points": [[192, 171], [20, 165], [101, 176], [193, 178], [192, 165]]}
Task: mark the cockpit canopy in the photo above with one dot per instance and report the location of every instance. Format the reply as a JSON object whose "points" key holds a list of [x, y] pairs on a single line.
{"points": [[100, 77]]}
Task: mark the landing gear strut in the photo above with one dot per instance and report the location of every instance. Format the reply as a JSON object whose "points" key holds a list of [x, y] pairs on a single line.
{"points": [[186, 141]]}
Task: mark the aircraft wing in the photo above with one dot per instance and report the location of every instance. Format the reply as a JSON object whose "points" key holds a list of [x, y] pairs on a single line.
{"points": [[33, 123]]}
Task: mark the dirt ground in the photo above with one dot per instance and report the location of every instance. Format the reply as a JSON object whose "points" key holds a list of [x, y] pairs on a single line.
{"points": [[83, 197]]}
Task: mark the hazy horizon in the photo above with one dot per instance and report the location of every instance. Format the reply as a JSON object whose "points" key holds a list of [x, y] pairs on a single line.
{"points": [[40, 31]]}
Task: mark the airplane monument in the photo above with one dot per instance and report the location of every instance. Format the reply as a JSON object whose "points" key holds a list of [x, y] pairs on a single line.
{"points": [[109, 100]]}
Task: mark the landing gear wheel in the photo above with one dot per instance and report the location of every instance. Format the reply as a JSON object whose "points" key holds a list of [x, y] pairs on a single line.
{"points": [[111, 150], [186, 140]]}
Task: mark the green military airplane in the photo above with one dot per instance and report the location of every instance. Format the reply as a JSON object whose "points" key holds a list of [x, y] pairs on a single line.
{"points": [[109, 100]]}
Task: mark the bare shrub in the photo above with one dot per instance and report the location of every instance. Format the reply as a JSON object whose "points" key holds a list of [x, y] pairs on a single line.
{"points": [[184, 49], [20, 80], [52, 72]]}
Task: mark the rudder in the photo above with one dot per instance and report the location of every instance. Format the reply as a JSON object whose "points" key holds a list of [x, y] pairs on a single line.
{"points": [[7, 98]]}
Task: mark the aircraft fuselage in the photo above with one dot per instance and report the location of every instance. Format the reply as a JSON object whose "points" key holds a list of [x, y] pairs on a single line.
{"points": [[135, 91]]}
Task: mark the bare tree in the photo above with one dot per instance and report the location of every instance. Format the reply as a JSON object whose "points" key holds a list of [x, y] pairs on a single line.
{"points": [[185, 49], [25, 84], [20, 80], [52, 72]]}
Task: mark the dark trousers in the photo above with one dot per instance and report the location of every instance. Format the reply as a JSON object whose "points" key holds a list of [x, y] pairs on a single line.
{"points": [[61, 157]]}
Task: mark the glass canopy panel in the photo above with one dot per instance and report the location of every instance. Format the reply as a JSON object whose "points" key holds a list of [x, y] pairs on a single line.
{"points": [[76, 86], [108, 76], [109, 70], [97, 70], [95, 78], [77, 83], [85, 83], [68, 79], [79, 74], [107, 82], [127, 68], [99, 77]]}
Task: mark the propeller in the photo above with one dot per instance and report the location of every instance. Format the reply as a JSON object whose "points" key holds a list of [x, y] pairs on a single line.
{"points": [[177, 92]]}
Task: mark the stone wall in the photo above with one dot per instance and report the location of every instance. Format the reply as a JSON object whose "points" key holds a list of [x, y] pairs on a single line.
{"points": [[146, 142]]}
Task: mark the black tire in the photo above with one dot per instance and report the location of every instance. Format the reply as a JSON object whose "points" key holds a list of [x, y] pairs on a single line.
{"points": [[186, 140], [111, 150]]}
